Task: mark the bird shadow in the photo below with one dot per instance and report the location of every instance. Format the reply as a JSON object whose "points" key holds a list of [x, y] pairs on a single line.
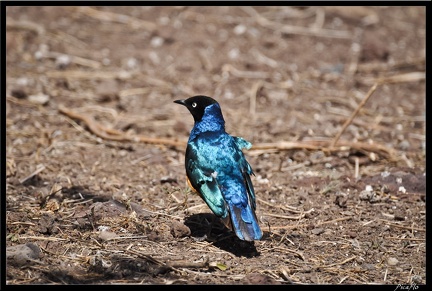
{"points": [[207, 227]]}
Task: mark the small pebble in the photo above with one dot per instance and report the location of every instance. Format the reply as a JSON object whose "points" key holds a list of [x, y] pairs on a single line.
{"points": [[392, 261], [40, 98], [317, 231]]}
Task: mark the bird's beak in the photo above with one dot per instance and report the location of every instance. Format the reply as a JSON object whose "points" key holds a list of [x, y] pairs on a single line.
{"points": [[182, 102]]}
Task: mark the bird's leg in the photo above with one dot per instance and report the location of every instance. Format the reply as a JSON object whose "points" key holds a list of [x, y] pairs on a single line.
{"points": [[226, 225], [210, 225], [200, 238], [209, 230]]}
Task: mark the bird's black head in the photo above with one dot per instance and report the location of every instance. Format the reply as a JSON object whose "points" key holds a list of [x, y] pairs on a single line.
{"points": [[197, 105]]}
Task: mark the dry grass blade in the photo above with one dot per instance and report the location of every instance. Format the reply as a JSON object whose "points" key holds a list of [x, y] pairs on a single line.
{"points": [[253, 96], [339, 263], [244, 74], [315, 225], [402, 78], [120, 18], [74, 59], [39, 169], [353, 115], [75, 74], [42, 238], [405, 238], [290, 29], [286, 250], [418, 63], [25, 25], [172, 265], [284, 216], [402, 226]]}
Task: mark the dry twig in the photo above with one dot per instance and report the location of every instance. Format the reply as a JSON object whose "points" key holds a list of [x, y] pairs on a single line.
{"points": [[315, 225], [25, 25], [348, 122], [171, 265], [116, 17], [112, 134], [400, 78], [39, 169], [402, 226], [290, 29], [77, 74]]}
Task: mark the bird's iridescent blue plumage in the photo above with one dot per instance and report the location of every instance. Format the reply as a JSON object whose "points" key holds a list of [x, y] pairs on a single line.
{"points": [[217, 169]]}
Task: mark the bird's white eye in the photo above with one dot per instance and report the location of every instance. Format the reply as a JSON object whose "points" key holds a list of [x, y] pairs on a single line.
{"points": [[194, 105]]}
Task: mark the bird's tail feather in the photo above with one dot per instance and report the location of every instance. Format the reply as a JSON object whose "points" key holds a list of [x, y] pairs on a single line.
{"points": [[244, 223]]}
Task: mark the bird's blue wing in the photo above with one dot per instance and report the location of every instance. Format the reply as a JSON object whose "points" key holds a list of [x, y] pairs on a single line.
{"points": [[246, 169], [243, 216], [242, 143], [204, 182]]}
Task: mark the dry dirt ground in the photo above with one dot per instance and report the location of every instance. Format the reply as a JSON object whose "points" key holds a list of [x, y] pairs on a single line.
{"points": [[95, 181]]}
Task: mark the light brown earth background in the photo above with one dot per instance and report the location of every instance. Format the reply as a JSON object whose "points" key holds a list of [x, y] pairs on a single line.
{"points": [[95, 187]]}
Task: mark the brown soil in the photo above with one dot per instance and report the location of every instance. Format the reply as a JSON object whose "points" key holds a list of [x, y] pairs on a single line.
{"points": [[95, 187]]}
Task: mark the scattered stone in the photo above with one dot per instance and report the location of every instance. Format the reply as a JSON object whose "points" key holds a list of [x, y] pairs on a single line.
{"points": [[156, 41], [416, 279], [392, 261], [178, 229], [341, 200], [40, 98], [374, 48], [24, 254], [19, 93], [317, 231], [404, 145], [63, 61], [107, 91], [399, 215], [107, 235], [101, 210], [352, 234], [369, 196], [168, 179]]}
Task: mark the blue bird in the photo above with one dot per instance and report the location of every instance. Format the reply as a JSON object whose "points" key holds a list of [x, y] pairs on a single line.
{"points": [[217, 169]]}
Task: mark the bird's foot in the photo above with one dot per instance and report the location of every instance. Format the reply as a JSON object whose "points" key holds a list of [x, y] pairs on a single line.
{"points": [[200, 238]]}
